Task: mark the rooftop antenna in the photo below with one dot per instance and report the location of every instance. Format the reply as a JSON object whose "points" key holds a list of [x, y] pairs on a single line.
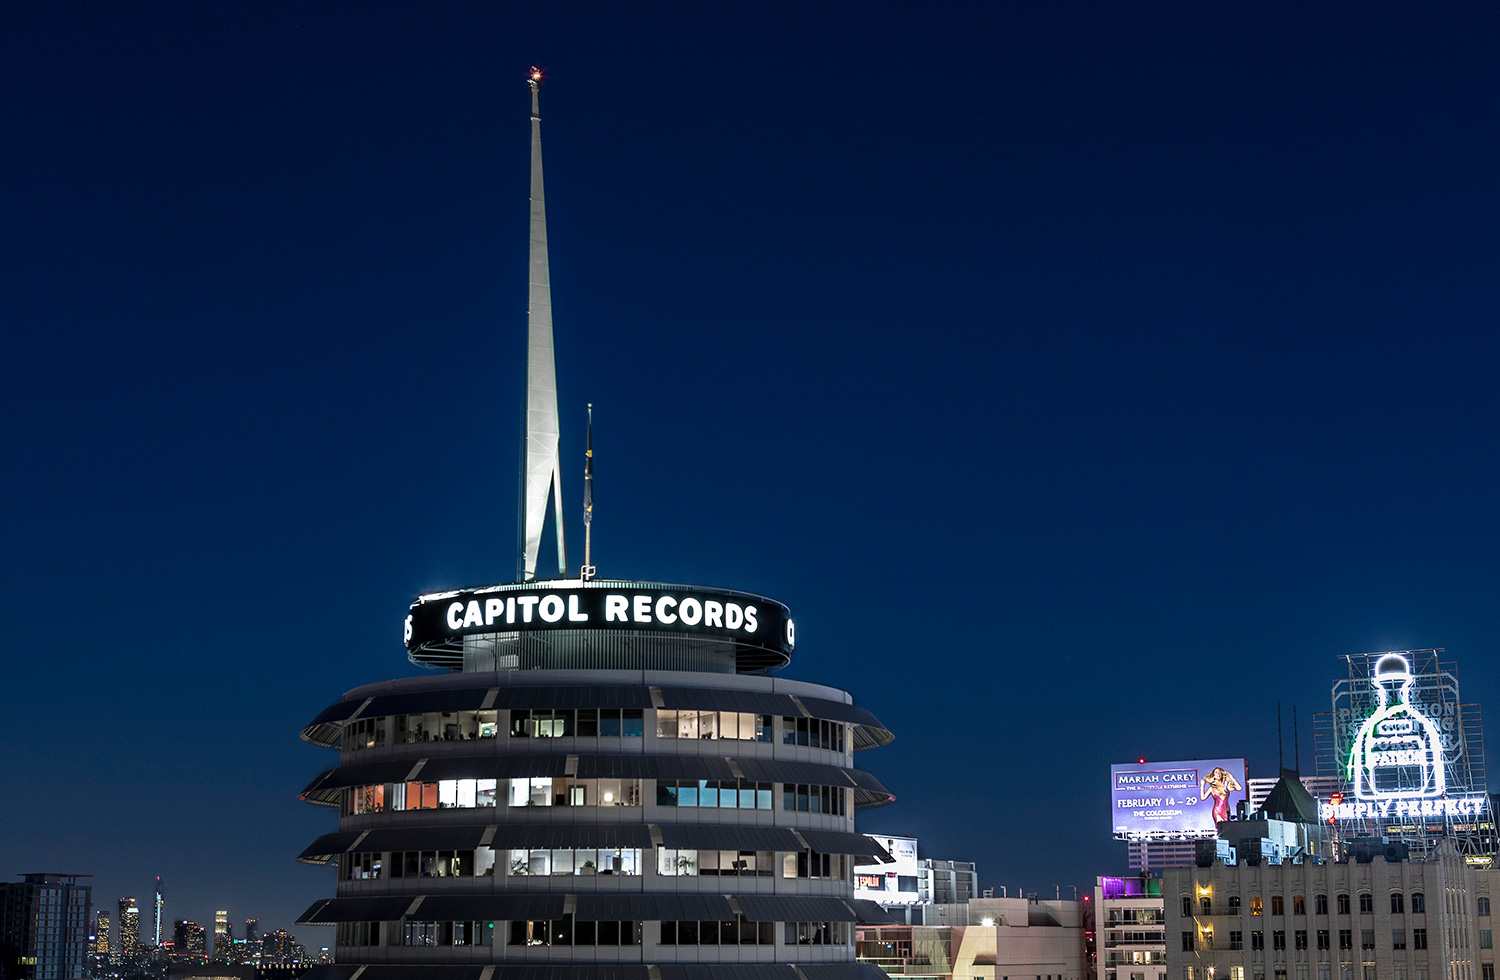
{"points": [[1279, 759], [588, 571], [1296, 744], [541, 472]]}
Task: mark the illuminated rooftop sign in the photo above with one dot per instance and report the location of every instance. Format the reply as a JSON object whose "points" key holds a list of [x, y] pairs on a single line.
{"points": [[741, 618], [1174, 800], [1398, 751]]}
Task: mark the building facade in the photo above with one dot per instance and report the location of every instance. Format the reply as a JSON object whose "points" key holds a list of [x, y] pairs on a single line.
{"points": [[44, 927], [130, 929], [189, 941], [102, 947], [1130, 928], [1380, 915], [984, 939], [668, 818]]}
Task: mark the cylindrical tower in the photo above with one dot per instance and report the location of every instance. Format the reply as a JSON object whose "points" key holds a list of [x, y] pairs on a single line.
{"points": [[604, 784], [605, 781]]}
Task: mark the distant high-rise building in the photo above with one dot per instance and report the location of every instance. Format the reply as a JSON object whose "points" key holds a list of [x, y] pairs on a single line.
{"points": [[130, 929], [159, 903], [278, 946], [251, 927], [221, 936], [189, 941], [44, 927], [101, 936]]}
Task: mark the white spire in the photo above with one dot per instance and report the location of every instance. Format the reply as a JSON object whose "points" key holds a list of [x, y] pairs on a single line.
{"points": [[543, 473]]}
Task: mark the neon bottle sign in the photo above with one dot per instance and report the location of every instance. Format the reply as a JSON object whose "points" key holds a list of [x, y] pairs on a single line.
{"points": [[1398, 753]]}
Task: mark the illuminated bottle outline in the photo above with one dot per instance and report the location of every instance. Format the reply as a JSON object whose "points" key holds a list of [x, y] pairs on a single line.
{"points": [[1398, 754]]}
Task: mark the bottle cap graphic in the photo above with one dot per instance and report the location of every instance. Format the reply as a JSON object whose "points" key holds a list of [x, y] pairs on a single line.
{"points": [[1392, 667]]}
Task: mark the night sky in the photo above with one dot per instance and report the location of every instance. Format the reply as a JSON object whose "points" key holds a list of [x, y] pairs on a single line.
{"points": [[1087, 378]]}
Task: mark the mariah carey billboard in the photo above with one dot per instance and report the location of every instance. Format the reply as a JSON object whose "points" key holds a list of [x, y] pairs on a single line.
{"points": [[1174, 800]]}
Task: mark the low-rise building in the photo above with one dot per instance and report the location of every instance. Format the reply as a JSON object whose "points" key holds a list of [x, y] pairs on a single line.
{"points": [[1130, 928], [1377, 915], [984, 939]]}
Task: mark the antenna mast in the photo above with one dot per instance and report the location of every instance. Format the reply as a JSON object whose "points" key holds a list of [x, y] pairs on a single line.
{"points": [[542, 473], [588, 571]]}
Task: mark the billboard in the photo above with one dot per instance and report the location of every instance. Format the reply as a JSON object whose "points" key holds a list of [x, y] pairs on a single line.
{"points": [[890, 884], [1403, 746], [1174, 800]]}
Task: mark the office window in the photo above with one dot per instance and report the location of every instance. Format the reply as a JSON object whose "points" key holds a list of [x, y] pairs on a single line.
{"points": [[1486, 939], [1299, 939], [1418, 902], [1346, 939], [1367, 939], [1419, 939], [1278, 905], [1320, 905], [1366, 902], [1484, 905], [1322, 938], [1278, 939], [1299, 905], [1343, 904], [1398, 939], [1398, 903], [1255, 905]]}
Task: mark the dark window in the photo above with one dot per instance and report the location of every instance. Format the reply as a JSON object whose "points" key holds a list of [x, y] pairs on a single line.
{"points": [[1236, 939], [1278, 939], [1234, 905], [1419, 939], [1398, 939], [1257, 939], [1299, 938], [1278, 905], [1418, 902], [1484, 906], [1187, 941], [1322, 938], [1299, 905], [1346, 939], [1366, 902], [1206, 904], [1398, 903], [1320, 905], [1486, 971], [1343, 905], [1367, 939], [1187, 907]]}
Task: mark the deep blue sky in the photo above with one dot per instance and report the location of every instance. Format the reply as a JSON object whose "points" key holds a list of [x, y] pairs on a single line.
{"points": [[1087, 379]]}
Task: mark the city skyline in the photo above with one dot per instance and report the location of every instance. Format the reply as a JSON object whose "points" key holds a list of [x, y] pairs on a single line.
{"points": [[1079, 411]]}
